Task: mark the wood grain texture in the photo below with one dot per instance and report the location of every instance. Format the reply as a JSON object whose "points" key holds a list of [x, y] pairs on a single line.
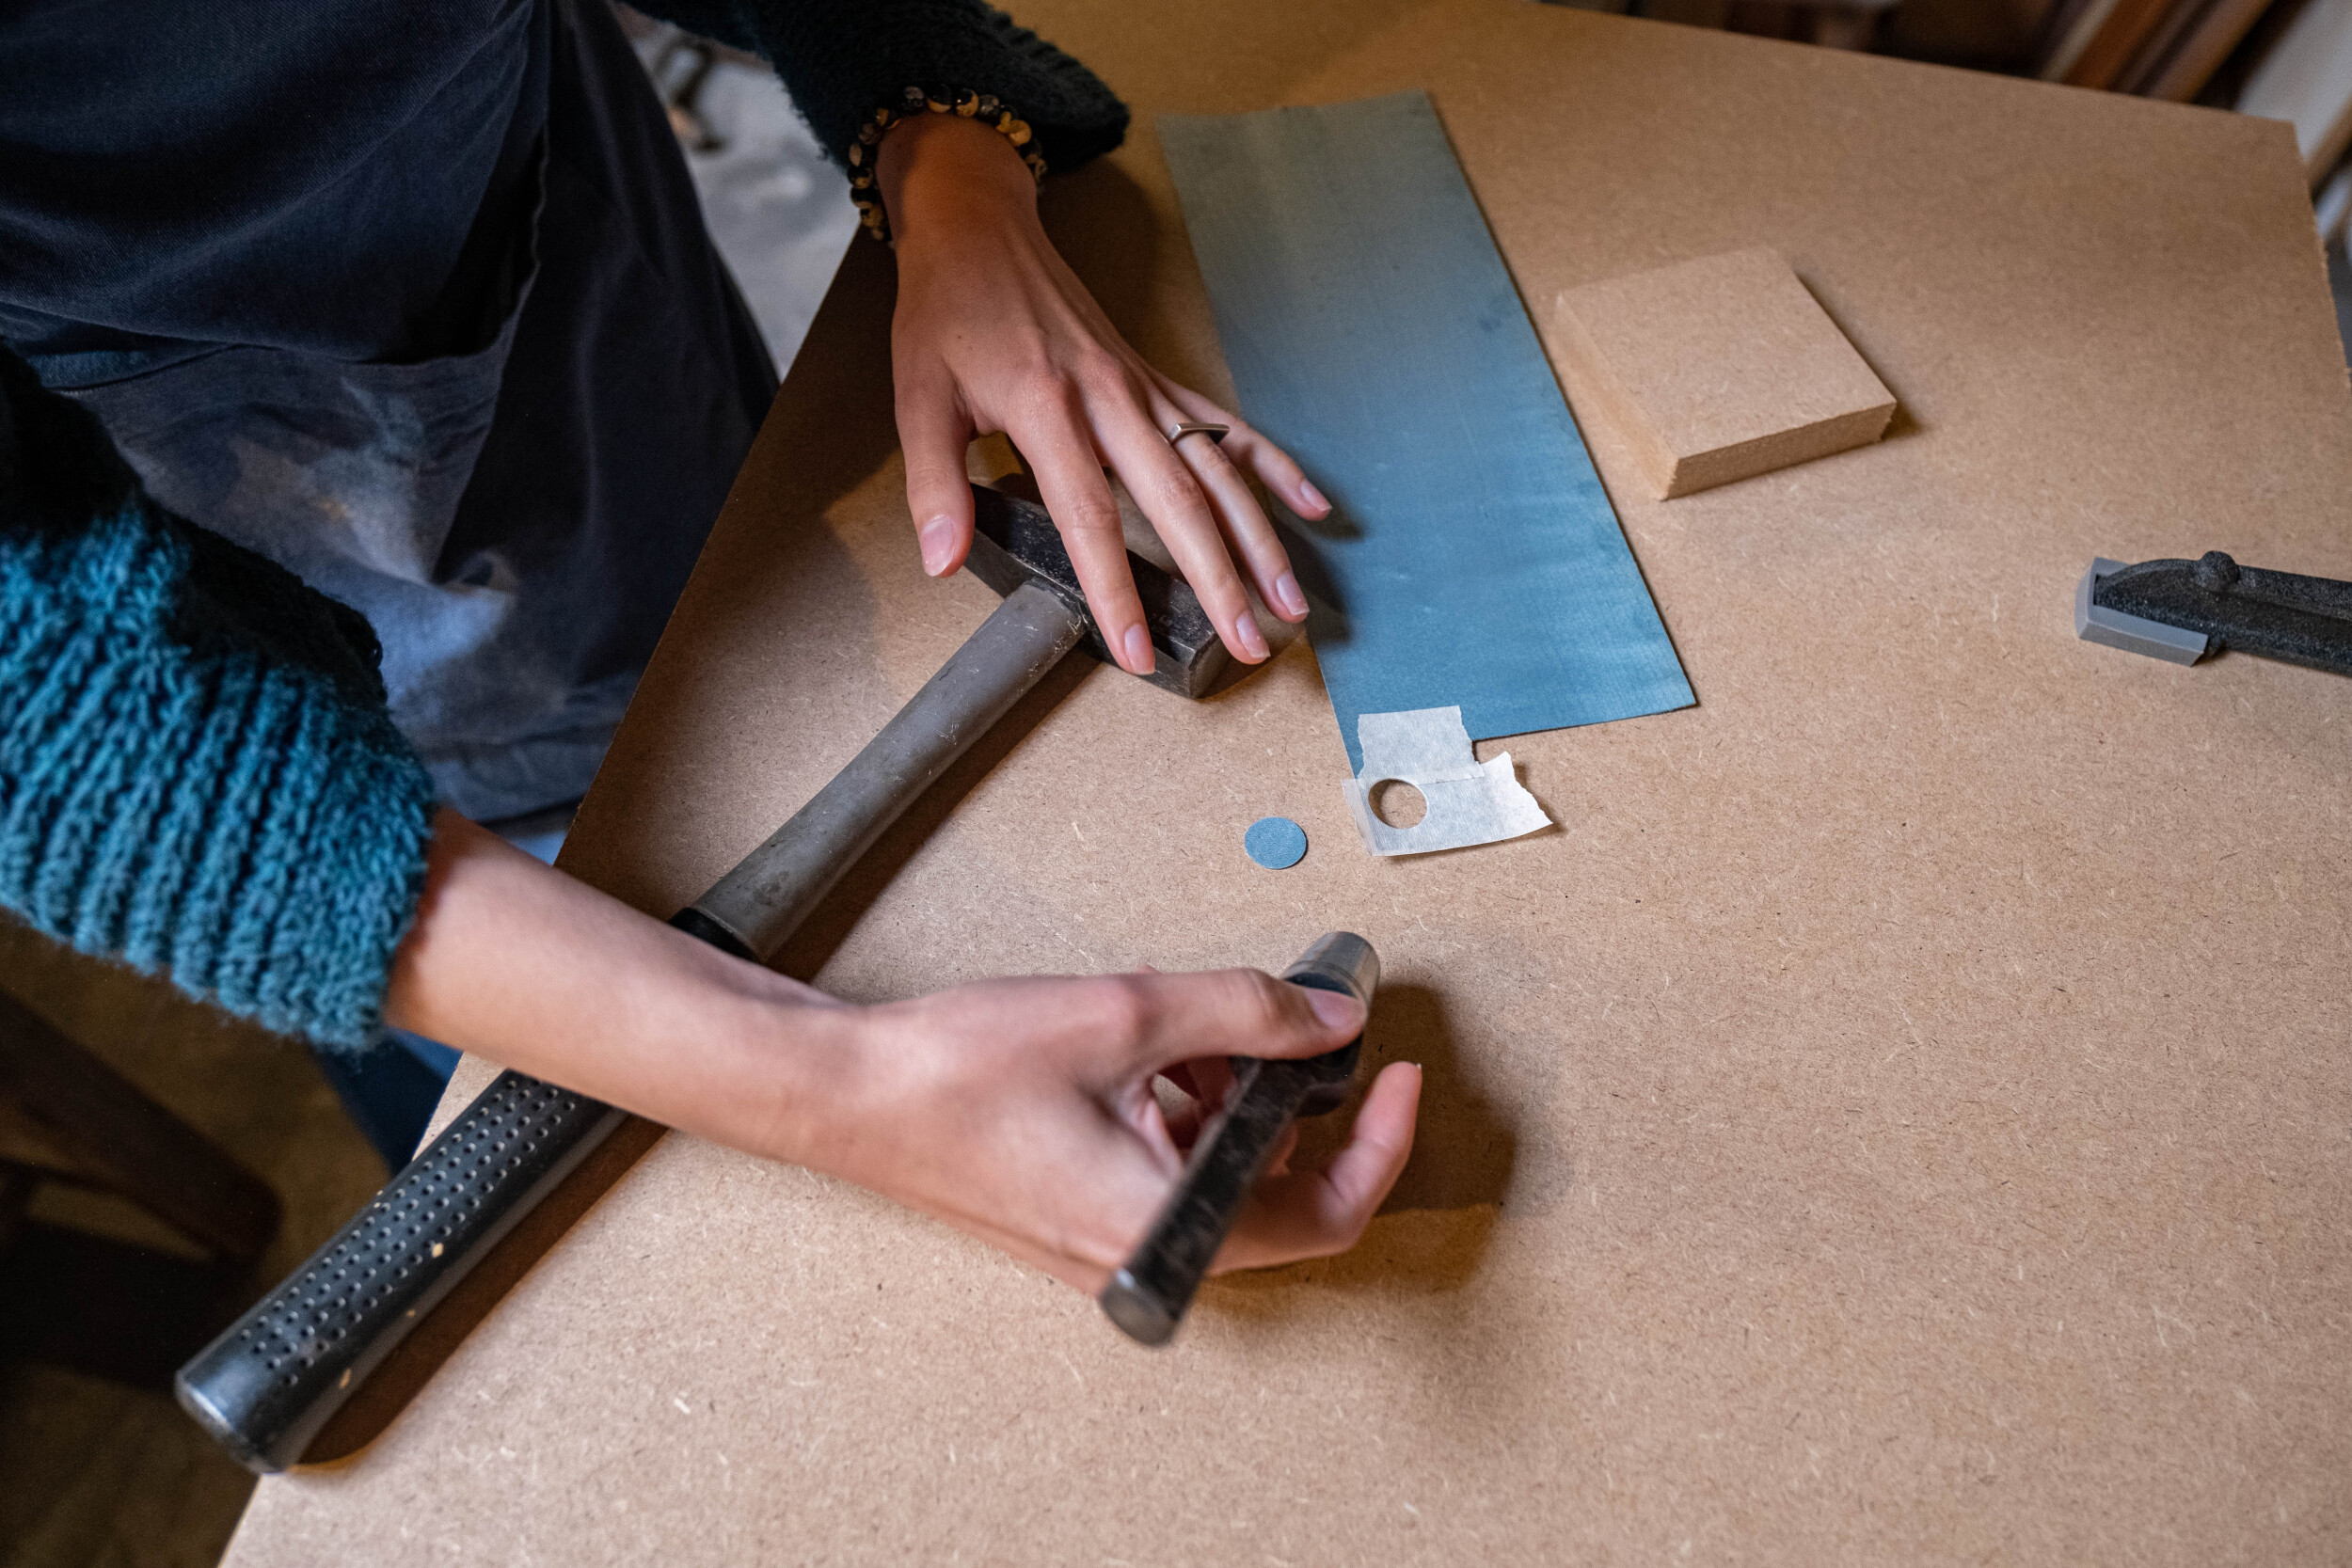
{"points": [[1901, 1115]]}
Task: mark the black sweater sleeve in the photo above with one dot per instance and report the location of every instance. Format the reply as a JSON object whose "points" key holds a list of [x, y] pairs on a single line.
{"points": [[843, 59]]}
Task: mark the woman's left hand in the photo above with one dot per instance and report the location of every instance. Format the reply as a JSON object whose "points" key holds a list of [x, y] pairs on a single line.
{"points": [[994, 333]]}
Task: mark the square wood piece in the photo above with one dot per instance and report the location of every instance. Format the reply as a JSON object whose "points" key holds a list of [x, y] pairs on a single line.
{"points": [[1720, 369]]}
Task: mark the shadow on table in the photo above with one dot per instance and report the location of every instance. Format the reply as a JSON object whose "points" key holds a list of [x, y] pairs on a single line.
{"points": [[1432, 1231]]}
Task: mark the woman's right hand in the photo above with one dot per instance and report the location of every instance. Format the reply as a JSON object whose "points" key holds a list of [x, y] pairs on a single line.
{"points": [[1021, 1111]]}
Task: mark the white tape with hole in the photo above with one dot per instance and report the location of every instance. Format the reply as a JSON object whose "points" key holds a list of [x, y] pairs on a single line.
{"points": [[1466, 801]]}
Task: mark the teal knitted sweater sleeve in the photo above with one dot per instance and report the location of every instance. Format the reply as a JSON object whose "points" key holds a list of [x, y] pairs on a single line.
{"points": [[198, 773]]}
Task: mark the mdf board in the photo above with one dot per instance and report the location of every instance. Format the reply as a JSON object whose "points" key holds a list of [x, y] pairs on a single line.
{"points": [[1899, 1115], [1717, 369]]}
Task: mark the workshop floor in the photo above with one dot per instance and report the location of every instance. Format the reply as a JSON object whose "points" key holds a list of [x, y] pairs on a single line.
{"points": [[91, 1471], [94, 1474], [780, 212]]}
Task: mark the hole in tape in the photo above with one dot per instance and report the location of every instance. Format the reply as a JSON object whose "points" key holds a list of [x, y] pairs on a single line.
{"points": [[1396, 802]]}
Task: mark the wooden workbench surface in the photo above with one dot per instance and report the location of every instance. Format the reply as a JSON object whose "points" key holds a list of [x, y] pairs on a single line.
{"points": [[1900, 1114]]}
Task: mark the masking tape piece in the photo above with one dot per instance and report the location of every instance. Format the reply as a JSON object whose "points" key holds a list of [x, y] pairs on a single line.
{"points": [[1469, 801]]}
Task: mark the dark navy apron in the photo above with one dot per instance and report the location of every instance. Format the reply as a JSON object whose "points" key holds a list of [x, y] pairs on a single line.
{"points": [[513, 510], [516, 517]]}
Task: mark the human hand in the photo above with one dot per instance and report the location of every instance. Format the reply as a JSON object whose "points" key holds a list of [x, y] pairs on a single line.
{"points": [[993, 332], [1022, 1111]]}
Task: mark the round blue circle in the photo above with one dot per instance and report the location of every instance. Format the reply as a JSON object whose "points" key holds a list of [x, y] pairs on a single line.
{"points": [[1276, 843]]}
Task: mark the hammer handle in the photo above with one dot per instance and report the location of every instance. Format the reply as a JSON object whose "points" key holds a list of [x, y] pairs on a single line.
{"points": [[268, 1385], [754, 907], [272, 1380]]}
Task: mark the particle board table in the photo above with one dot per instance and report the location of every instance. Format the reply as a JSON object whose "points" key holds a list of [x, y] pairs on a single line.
{"points": [[1900, 1114]]}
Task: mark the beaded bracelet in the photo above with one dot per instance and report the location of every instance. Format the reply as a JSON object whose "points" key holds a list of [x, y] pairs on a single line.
{"points": [[983, 106]]}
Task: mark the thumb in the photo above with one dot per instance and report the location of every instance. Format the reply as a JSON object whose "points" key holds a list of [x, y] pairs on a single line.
{"points": [[934, 433], [1237, 1012]]}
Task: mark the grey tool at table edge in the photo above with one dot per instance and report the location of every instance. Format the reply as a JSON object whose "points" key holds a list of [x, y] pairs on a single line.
{"points": [[2180, 610], [268, 1385], [1146, 1297]]}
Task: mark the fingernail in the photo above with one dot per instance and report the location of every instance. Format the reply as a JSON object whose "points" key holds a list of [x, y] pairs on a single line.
{"points": [[1336, 1009], [1312, 496], [1286, 590], [938, 538], [1246, 632], [1139, 646]]}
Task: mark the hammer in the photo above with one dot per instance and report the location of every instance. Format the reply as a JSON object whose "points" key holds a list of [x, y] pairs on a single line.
{"points": [[1017, 551], [268, 1385]]}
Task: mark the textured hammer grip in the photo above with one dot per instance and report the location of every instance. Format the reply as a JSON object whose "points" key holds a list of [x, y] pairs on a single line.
{"points": [[267, 1385]]}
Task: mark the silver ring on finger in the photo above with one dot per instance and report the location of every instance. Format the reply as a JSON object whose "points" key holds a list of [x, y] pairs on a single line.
{"points": [[1182, 427]]}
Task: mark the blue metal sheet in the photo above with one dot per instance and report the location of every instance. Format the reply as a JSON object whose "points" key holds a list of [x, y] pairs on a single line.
{"points": [[1472, 557]]}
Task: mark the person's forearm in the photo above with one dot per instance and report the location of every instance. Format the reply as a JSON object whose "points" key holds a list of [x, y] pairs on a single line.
{"points": [[535, 971], [950, 172], [1019, 1110]]}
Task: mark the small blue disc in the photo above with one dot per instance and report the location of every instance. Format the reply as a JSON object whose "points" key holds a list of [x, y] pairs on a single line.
{"points": [[1276, 843]]}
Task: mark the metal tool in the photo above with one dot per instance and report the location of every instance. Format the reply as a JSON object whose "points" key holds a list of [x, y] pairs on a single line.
{"points": [[1017, 551], [1147, 1298], [268, 1385], [2180, 610]]}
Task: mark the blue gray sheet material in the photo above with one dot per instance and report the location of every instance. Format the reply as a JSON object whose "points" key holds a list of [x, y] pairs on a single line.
{"points": [[1473, 557]]}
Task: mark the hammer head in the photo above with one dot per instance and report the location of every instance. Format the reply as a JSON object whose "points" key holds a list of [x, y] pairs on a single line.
{"points": [[1015, 541]]}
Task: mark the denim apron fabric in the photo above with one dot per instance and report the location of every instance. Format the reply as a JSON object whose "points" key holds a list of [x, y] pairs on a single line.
{"points": [[514, 510], [515, 517]]}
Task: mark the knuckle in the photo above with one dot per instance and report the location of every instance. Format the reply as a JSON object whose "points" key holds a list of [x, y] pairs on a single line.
{"points": [[1126, 1009], [1174, 487], [1045, 388], [927, 472], [1259, 1003], [1088, 518], [1101, 374], [1212, 457]]}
